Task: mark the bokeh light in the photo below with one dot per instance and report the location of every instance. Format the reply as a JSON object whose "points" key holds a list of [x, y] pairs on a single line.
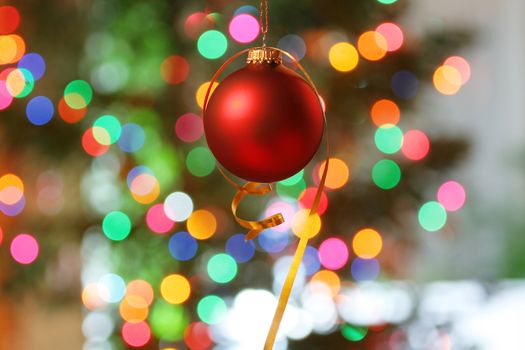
{"points": [[432, 216], [9, 19], [197, 336], [447, 80], [111, 126], [12, 48], [333, 253], [307, 197], [416, 145], [157, 220], [365, 269], [338, 173], [393, 36], [11, 189], [244, 28], [175, 289], [200, 95], [40, 110], [305, 225], [273, 241], [451, 195], [132, 137], [387, 2], [404, 84], [111, 288], [286, 208], [136, 334], [178, 206], [367, 243], [20, 82], [142, 289], [24, 248], [189, 127], [385, 112], [212, 44], [386, 174], [293, 44], [343, 57], [78, 94], [212, 309], [182, 246], [68, 114], [328, 279], [201, 224], [168, 321], [143, 184], [354, 333], [200, 161], [239, 248], [222, 268], [311, 261], [174, 69], [133, 308], [116, 225], [388, 138], [461, 65], [34, 63], [372, 45]]}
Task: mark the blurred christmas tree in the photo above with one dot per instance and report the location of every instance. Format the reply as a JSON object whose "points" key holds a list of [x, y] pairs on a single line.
{"points": [[118, 162]]}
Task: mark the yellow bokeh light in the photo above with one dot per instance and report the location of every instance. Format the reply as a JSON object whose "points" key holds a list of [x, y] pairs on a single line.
{"points": [[305, 225], [175, 289], [12, 48], [327, 278], [133, 308], [15, 82], [201, 224], [343, 57], [371, 45], [367, 243], [447, 80], [201, 92], [148, 197], [338, 173]]}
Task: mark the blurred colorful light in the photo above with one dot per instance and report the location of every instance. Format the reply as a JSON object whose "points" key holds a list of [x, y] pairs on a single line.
{"points": [[367, 243], [273, 241], [24, 248], [78, 94], [416, 145], [343, 57], [328, 279], [132, 138], [34, 63], [178, 206], [182, 246], [432, 216], [136, 334], [244, 28], [404, 84], [305, 225], [385, 112], [293, 44], [365, 269], [447, 80], [174, 69], [200, 161], [333, 253], [212, 44], [201, 224], [286, 209], [116, 225], [157, 220], [338, 173], [168, 321], [12, 48], [198, 336], [354, 333], [20, 82], [222, 268], [388, 138], [239, 248], [386, 174], [311, 261], [112, 127], [462, 66], [306, 200], [111, 288], [175, 289], [142, 289], [451, 195], [372, 45], [393, 36], [212, 309], [133, 308], [189, 127], [40, 110], [68, 114], [9, 19]]}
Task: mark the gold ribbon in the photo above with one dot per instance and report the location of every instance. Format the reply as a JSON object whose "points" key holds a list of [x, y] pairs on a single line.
{"points": [[256, 188]]}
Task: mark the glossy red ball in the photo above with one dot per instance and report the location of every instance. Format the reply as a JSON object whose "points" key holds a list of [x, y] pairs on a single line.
{"points": [[264, 122]]}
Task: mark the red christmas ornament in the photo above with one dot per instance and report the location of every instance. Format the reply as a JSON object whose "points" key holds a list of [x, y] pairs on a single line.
{"points": [[264, 122]]}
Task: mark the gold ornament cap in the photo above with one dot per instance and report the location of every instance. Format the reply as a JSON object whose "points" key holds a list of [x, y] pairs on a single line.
{"points": [[264, 55]]}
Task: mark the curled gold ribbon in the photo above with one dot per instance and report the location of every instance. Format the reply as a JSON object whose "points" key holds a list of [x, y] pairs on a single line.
{"points": [[256, 188]]}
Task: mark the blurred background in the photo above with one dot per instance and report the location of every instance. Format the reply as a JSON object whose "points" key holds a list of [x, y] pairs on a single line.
{"points": [[115, 229]]}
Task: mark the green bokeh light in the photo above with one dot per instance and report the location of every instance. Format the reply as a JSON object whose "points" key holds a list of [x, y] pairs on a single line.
{"points": [[212, 44], [212, 309], [200, 161], [386, 2], [354, 333], [292, 180], [432, 216], [168, 321], [29, 83], [222, 268], [111, 125], [292, 191], [116, 225], [386, 174], [78, 94], [388, 138]]}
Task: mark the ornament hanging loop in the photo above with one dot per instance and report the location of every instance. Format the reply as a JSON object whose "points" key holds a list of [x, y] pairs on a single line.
{"points": [[263, 20]]}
